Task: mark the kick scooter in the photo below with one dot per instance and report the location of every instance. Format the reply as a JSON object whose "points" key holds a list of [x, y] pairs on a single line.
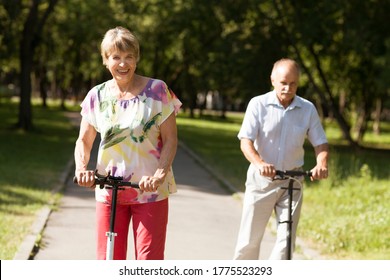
{"points": [[290, 174], [114, 183]]}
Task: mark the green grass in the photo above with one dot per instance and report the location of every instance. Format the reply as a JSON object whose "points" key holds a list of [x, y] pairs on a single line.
{"points": [[349, 221], [217, 143], [344, 217], [31, 164]]}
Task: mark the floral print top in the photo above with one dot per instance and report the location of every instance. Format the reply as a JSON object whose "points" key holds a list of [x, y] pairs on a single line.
{"points": [[131, 143]]}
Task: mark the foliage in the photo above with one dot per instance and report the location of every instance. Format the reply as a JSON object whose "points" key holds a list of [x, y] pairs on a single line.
{"points": [[216, 46]]}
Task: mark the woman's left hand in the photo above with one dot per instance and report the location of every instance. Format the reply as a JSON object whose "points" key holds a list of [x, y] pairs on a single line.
{"points": [[168, 151], [149, 183]]}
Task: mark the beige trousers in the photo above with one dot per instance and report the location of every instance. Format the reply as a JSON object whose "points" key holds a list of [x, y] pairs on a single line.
{"points": [[262, 197]]}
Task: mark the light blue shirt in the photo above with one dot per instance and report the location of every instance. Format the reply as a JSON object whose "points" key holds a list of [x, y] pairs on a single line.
{"points": [[278, 133]]}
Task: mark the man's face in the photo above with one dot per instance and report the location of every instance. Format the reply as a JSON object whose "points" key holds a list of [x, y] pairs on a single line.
{"points": [[285, 79]]}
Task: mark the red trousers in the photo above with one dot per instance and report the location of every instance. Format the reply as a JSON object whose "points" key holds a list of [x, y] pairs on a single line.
{"points": [[149, 228]]}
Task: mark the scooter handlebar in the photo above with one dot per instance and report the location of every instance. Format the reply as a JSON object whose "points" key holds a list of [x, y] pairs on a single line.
{"points": [[110, 182], [292, 173]]}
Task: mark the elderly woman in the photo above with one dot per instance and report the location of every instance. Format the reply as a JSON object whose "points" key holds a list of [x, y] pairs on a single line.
{"points": [[135, 116]]}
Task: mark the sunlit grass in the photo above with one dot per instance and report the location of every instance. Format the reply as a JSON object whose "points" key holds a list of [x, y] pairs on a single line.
{"points": [[31, 164], [348, 220], [217, 143]]}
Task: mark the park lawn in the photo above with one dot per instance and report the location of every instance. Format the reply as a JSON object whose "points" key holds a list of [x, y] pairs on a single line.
{"points": [[31, 165], [217, 143], [344, 217]]}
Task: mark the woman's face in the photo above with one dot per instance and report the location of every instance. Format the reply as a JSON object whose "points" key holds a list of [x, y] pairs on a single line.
{"points": [[122, 66]]}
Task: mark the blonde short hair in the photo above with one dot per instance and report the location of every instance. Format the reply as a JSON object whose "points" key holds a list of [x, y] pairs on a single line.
{"points": [[119, 39]]}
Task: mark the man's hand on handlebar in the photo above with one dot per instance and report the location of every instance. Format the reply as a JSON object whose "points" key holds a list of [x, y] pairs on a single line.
{"points": [[267, 170], [319, 172]]}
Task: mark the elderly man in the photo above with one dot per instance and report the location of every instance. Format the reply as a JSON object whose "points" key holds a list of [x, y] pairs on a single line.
{"points": [[271, 138]]}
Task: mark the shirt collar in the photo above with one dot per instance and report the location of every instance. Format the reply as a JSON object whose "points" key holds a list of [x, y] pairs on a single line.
{"points": [[274, 101]]}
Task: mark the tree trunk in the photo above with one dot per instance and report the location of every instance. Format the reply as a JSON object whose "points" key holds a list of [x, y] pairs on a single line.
{"points": [[43, 84], [342, 101], [30, 37], [377, 116], [26, 61], [332, 105], [361, 123]]}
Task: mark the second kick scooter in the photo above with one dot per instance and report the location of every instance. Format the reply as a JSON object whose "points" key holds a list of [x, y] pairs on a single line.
{"points": [[290, 174]]}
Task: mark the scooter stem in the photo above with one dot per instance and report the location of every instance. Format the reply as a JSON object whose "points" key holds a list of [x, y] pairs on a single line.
{"points": [[111, 234]]}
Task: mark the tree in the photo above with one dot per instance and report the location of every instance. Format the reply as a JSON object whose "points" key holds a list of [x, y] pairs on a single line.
{"points": [[38, 13]]}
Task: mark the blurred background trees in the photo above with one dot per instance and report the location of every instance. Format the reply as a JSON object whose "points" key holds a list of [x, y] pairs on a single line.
{"points": [[213, 54]]}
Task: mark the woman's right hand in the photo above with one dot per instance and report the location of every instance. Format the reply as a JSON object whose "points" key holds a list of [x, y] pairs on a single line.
{"points": [[85, 178]]}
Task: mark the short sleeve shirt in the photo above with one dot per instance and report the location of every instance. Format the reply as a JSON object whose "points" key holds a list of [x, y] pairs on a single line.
{"points": [[131, 144], [279, 133]]}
